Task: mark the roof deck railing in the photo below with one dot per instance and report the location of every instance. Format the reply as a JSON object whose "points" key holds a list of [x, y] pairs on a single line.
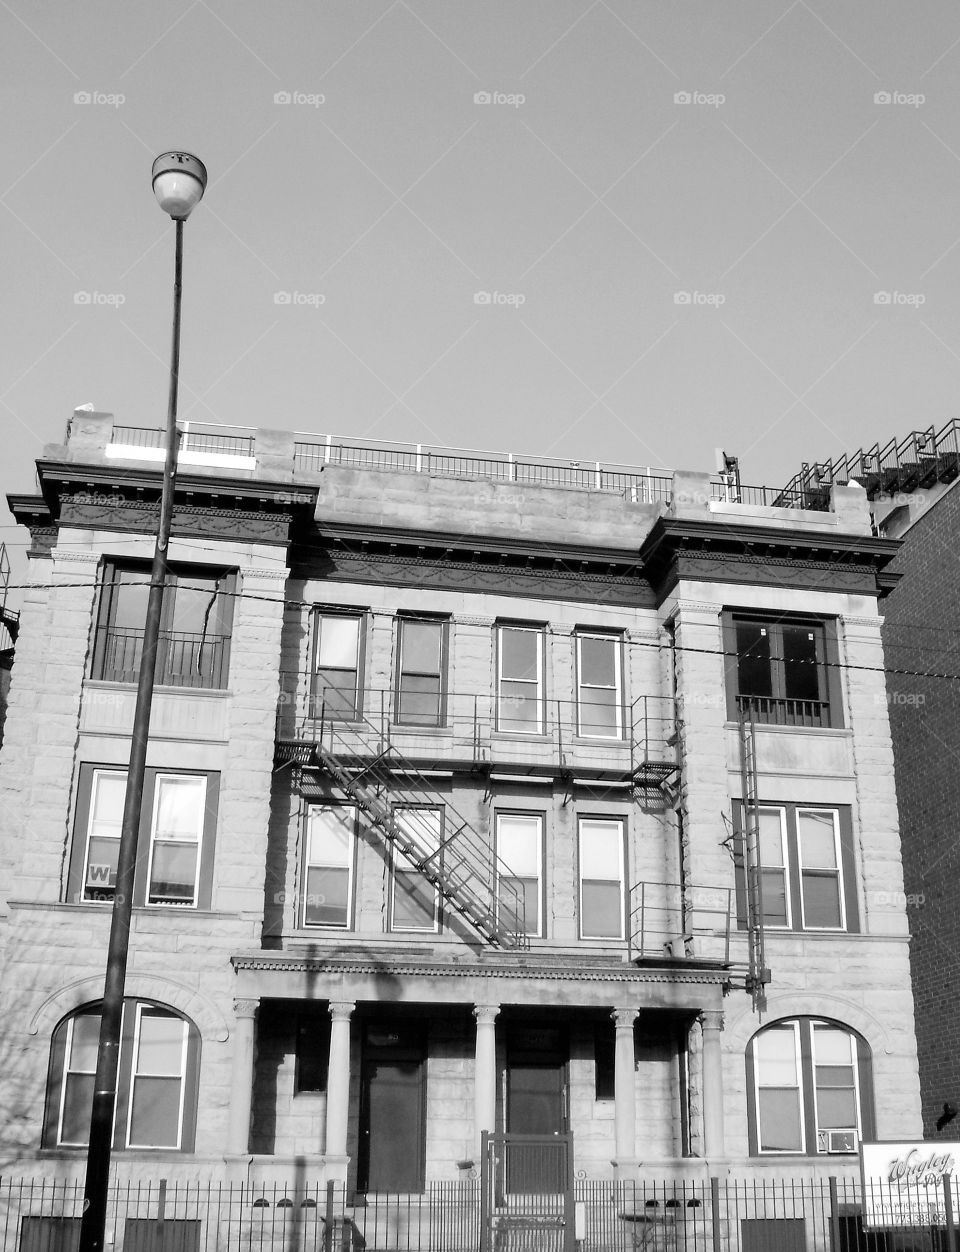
{"points": [[313, 452], [920, 459]]}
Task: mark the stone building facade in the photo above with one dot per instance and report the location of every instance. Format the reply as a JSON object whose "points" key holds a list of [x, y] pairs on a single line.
{"points": [[913, 488], [480, 797]]}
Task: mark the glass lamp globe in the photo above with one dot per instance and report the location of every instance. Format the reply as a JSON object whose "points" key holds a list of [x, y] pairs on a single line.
{"points": [[179, 180]]}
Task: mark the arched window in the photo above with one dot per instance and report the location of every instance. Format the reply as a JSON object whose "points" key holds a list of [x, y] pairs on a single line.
{"points": [[809, 1088], [156, 1080]]}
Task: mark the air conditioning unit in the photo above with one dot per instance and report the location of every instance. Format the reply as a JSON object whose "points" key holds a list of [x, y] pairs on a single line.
{"points": [[836, 1141]]}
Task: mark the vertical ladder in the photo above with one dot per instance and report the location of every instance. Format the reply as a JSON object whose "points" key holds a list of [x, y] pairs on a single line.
{"points": [[758, 975]]}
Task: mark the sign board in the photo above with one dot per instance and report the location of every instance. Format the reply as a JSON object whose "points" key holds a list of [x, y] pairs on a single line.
{"points": [[903, 1183]]}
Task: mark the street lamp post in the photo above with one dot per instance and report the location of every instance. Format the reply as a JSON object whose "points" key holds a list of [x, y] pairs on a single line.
{"points": [[179, 180]]}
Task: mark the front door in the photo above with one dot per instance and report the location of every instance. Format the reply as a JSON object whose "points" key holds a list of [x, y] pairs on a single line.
{"points": [[392, 1110], [535, 1104]]}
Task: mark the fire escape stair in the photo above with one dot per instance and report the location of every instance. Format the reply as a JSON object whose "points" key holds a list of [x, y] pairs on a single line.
{"points": [[468, 878]]}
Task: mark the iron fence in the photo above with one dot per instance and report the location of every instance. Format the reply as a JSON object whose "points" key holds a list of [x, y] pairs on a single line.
{"points": [[760, 1214]]}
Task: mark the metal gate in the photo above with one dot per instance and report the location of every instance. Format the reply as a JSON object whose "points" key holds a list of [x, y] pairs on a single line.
{"points": [[526, 1188]]}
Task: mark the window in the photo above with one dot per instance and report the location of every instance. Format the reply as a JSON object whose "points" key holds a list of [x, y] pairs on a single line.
{"points": [[176, 833], [782, 671], [807, 879], [156, 1079], [810, 1088], [338, 650], [194, 646], [520, 679], [599, 686], [175, 848], [421, 672], [415, 902], [328, 876], [519, 860], [312, 1052], [601, 878]]}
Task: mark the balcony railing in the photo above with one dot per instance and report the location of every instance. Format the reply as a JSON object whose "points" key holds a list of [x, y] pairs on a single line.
{"points": [[183, 659], [209, 441], [668, 921], [777, 711], [467, 725]]}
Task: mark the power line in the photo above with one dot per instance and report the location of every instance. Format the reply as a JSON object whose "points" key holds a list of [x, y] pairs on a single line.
{"points": [[659, 647]]}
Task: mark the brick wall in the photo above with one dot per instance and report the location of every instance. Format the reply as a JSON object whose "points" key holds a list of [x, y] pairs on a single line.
{"points": [[922, 633]]}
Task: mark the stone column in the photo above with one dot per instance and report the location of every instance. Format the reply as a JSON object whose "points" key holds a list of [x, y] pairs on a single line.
{"points": [[485, 1071], [625, 1087], [338, 1080], [241, 1077], [711, 1024]]}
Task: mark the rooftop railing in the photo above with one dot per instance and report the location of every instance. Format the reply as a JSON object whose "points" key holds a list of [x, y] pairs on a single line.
{"points": [[919, 460], [636, 483]]}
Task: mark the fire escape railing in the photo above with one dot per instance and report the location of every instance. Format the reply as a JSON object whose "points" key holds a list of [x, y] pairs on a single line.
{"points": [[469, 875], [673, 922]]}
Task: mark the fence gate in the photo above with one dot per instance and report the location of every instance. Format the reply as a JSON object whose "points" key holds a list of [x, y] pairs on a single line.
{"points": [[526, 1185]]}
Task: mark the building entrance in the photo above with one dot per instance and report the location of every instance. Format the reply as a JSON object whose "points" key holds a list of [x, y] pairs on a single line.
{"points": [[392, 1109]]}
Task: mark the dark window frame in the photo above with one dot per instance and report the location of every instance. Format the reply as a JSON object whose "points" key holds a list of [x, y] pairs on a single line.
{"points": [[397, 857], [76, 870], [808, 1112], [311, 1065], [303, 901], [56, 1073], [172, 650], [615, 638], [418, 619], [502, 723], [319, 706], [794, 871], [611, 819], [778, 708], [541, 816]]}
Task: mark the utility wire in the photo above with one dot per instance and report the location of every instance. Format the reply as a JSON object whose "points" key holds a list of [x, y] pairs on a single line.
{"points": [[639, 643]]}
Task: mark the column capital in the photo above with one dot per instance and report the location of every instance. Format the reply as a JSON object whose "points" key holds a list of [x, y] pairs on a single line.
{"points": [[711, 1019], [341, 1010], [624, 1018], [486, 1014], [246, 1008]]}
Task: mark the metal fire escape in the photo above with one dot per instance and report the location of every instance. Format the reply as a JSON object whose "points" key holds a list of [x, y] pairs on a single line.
{"points": [[758, 975], [470, 878]]}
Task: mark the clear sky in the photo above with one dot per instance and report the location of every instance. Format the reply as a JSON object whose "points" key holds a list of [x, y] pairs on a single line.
{"points": [[683, 212]]}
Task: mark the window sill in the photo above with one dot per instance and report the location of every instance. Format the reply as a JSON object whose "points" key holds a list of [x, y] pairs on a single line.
{"points": [[108, 684], [839, 732]]}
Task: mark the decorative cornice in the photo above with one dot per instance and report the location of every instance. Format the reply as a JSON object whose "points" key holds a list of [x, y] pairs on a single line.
{"points": [[812, 560], [493, 969], [79, 558], [193, 520]]}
